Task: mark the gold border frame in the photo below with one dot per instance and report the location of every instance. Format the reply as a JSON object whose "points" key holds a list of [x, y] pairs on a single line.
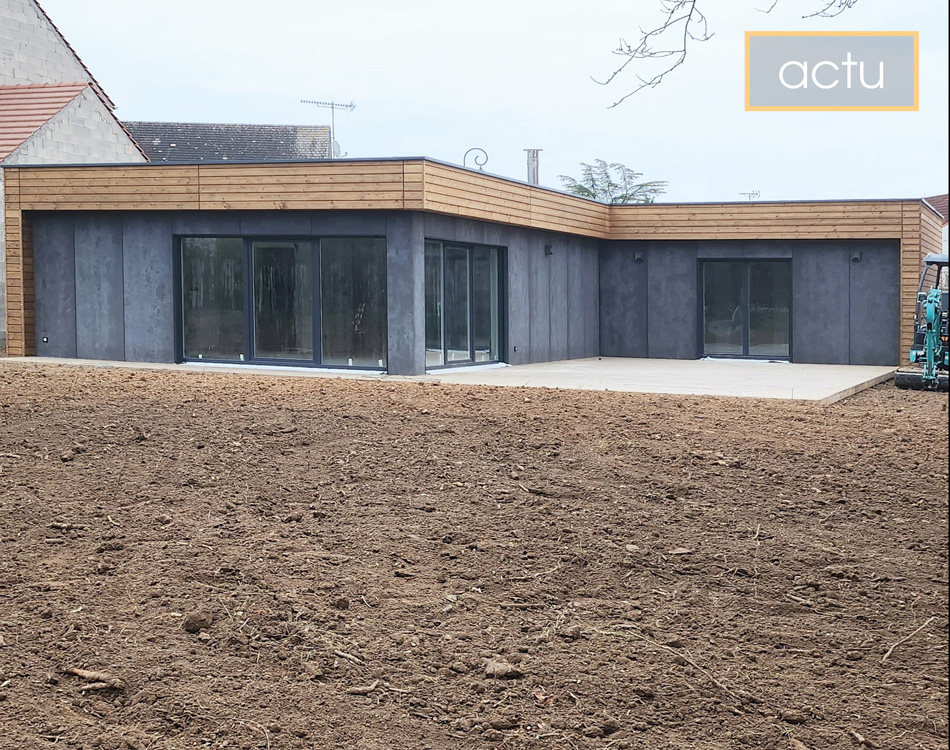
{"points": [[913, 108]]}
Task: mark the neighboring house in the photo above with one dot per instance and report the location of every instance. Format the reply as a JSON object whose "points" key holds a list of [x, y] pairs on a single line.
{"points": [[940, 204], [52, 110], [207, 142]]}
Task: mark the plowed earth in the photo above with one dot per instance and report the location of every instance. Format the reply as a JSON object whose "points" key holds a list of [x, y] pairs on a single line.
{"points": [[257, 562]]}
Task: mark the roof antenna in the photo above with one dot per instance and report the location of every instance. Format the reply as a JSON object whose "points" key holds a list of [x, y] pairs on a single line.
{"points": [[333, 107], [752, 195]]}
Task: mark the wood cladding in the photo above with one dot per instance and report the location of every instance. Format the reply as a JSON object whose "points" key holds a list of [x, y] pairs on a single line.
{"points": [[424, 185]]}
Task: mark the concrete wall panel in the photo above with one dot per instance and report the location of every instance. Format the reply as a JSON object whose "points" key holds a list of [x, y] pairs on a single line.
{"points": [[100, 297], [149, 284], [672, 325], [623, 300], [874, 312], [54, 263], [405, 271], [820, 304]]}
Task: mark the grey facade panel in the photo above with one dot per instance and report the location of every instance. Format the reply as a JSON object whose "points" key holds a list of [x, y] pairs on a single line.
{"points": [[100, 325], [623, 300], [54, 263], [672, 281], [519, 319], [820, 304], [874, 312], [405, 295], [539, 304], [206, 223], [558, 302], [148, 271], [275, 223]]}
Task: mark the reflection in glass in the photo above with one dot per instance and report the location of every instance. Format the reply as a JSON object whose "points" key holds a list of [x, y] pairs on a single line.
{"points": [[433, 283], [353, 301], [283, 300], [769, 292], [485, 304], [457, 344], [212, 272], [723, 308]]}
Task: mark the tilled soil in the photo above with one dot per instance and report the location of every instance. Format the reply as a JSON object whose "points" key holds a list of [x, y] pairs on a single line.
{"points": [[256, 562]]}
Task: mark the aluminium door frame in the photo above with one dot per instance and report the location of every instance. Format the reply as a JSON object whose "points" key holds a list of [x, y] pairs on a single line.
{"points": [[701, 313]]}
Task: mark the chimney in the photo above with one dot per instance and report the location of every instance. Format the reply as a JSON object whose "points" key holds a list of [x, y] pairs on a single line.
{"points": [[532, 165]]}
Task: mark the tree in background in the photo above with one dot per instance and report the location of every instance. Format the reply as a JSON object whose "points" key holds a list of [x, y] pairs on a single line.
{"points": [[612, 183], [683, 22]]}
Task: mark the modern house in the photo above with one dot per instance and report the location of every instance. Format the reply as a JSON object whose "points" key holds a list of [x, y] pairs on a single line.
{"points": [[52, 110], [404, 265]]}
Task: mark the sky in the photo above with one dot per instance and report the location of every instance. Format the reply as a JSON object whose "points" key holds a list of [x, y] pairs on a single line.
{"points": [[438, 78]]}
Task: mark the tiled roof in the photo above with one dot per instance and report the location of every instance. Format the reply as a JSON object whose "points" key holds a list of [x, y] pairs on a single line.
{"points": [[193, 141], [939, 202], [92, 79], [25, 109]]}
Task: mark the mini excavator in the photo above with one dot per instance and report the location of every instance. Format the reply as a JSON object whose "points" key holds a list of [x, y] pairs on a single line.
{"points": [[930, 352]]}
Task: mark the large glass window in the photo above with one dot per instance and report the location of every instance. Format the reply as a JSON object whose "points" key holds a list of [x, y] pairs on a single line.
{"points": [[433, 284], [212, 280], [462, 305], [746, 308], [353, 301], [283, 300], [315, 301]]}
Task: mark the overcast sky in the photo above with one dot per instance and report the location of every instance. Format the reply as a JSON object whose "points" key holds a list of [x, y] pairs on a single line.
{"points": [[437, 78]]}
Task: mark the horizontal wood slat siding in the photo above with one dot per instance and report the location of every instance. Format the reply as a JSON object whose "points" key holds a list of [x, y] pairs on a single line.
{"points": [[18, 240], [461, 192], [422, 185], [829, 220]]}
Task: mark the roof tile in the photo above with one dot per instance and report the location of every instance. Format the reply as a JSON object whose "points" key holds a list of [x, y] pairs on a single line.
{"points": [[25, 109]]}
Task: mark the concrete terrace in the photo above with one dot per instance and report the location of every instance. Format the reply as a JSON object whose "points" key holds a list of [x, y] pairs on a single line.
{"points": [[722, 378]]}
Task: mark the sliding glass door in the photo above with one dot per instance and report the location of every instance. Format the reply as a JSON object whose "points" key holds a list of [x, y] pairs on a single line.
{"points": [[307, 301], [746, 309], [462, 305], [283, 300]]}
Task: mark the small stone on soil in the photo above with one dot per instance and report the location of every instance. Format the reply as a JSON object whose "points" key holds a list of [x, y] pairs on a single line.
{"points": [[197, 621]]}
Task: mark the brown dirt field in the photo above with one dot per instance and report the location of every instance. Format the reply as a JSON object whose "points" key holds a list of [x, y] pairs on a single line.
{"points": [[354, 558]]}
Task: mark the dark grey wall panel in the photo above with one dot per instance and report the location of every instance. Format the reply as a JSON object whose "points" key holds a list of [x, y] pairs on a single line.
{"points": [[405, 279], [557, 297], [365, 223], [623, 300], [207, 223], [672, 323], [751, 249], [574, 297], [820, 304], [874, 313], [100, 298], [148, 271], [276, 223], [539, 303], [54, 274], [519, 318]]}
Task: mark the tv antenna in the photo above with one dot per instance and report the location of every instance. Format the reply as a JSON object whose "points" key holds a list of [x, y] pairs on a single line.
{"points": [[751, 195], [333, 107]]}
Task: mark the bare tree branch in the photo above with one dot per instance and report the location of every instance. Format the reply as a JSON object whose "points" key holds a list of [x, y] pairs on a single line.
{"points": [[832, 8], [684, 21]]}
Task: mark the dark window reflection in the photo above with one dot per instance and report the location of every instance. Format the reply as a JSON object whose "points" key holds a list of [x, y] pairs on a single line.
{"points": [[213, 298], [353, 301], [283, 300]]}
